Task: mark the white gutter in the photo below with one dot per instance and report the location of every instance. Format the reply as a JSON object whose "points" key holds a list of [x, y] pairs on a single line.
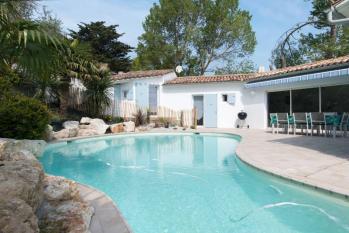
{"points": [[338, 73], [333, 21]]}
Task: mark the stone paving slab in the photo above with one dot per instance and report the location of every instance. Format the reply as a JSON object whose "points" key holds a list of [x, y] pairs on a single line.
{"points": [[107, 218], [322, 162]]}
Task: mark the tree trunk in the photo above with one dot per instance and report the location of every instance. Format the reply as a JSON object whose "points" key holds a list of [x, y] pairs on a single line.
{"points": [[64, 97], [333, 35]]}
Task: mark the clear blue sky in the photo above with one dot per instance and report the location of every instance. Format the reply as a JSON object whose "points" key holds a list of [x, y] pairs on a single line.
{"points": [[271, 18]]}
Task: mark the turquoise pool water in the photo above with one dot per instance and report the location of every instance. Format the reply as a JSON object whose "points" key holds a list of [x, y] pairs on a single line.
{"points": [[193, 183]]}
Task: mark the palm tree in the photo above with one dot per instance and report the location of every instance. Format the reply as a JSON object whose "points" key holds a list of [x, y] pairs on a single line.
{"points": [[47, 61], [97, 96], [23, 45]]}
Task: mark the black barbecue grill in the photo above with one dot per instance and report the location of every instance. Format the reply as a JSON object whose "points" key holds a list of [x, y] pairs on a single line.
{"points": [[242, 120]]}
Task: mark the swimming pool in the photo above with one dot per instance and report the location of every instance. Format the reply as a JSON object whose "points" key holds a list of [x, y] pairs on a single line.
{"points": [[186, 183]]}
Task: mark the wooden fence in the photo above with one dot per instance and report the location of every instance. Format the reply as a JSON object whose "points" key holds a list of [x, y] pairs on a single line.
{"points": [[127, 109]]}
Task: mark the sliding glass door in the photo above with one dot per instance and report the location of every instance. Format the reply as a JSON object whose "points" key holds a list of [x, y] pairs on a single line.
{"points": [[305, 100], [323, 99], [279, 101], [335, 99]]}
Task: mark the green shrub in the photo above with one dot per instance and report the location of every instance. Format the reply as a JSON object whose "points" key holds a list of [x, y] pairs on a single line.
{"points": [[23, 118], [118, 120]]}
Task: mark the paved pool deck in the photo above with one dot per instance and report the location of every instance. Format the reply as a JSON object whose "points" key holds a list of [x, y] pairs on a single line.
{"points": [[321, 162]]}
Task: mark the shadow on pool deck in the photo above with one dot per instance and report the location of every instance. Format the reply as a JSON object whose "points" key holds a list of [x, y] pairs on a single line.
{"points": [[338, 147]]}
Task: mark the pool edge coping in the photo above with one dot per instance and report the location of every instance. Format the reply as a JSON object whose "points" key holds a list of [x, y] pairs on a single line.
{"points": [[110, 203]]}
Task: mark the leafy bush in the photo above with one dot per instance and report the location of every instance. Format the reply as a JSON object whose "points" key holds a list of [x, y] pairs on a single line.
{"points": [[165, 121], [112, 120], [23, 118], [118, 120]]}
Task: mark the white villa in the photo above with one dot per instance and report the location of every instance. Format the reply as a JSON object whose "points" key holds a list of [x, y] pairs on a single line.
{"points": [[321, 86]]}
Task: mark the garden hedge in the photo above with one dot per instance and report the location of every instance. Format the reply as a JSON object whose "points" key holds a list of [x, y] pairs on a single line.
{"points": [[22, 117]]}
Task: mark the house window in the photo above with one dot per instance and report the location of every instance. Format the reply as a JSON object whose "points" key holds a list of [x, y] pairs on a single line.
{"points": [[231, 99], [124, 94], [225, 98]]}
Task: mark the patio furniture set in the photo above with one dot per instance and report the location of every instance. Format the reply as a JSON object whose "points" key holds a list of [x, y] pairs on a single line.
{"points": [[326, 124]]}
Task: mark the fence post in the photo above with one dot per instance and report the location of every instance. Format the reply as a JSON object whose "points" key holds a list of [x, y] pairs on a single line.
{"points": [[195, 122]]}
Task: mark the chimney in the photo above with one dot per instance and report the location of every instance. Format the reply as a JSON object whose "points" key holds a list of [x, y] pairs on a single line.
{"points": [[261, 69]]}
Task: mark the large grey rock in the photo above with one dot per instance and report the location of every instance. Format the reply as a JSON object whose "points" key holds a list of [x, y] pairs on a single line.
{"points": [[71, 124], [17, 156], [57, 189], [16, 216], [99, 125], [117, 128], [63, 209], [95, 127], [22, 179], [36, 147], [87, 132], [68, 217], [129, 126], [65, 133], [85, 120], [49, 133]]}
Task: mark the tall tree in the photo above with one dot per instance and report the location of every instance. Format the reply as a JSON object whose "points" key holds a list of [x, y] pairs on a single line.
{"points": [[194, 34], [324, 42], [240, 67], [105, 44], [168, 31]]}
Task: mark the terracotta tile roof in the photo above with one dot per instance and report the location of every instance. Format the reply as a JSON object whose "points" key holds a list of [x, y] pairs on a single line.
{"points": [[254, 77], [210, 79], [336, 2], [140, 74], [304, 68]]}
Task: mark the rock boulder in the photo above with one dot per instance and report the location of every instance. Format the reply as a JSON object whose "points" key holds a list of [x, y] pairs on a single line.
{"points": [[63, 209], [87, 132], [17, 156], [57, 189], [99, 125], [71, 124], [16, 216], [22, 179], [65, 133], [36, 147], [129, 126], [49, 133], [117, 128], [95, 127], [85, 120]]}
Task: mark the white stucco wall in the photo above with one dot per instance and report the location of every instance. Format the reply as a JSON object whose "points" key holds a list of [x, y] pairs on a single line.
{"points": [[130, 84], [180, 97]]}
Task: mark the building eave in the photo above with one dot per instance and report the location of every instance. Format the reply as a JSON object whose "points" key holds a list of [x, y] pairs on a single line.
{"points": [[339, 13]]}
